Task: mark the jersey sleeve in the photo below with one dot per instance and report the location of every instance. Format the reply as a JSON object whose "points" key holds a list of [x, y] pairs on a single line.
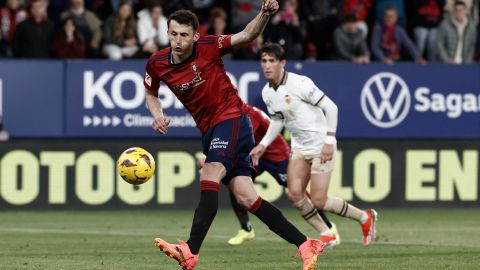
{"points": [[309, 92], [150, 82], [259, 119], [224, 44]]}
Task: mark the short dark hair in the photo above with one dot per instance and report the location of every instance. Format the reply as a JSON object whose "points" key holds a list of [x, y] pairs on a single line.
{"points": [[350, 18], [185, 17], [460, 3], [217, 12], [390, 8], [153, 4], [274, 49]]}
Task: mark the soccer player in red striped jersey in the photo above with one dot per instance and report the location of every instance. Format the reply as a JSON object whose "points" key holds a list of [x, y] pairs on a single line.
{"points": [[193, 69]]}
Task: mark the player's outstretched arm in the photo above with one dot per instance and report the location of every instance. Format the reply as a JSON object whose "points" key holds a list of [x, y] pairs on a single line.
{"points": [[256, 26], [160, 123], [273, 130]]}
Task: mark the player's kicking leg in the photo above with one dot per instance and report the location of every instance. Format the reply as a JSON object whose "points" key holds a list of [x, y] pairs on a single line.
{"points": [[309, 249], [246, 231], [186, 253]]}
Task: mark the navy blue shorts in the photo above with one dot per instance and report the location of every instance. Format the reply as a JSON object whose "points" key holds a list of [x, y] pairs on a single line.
{"points": [[278, 169], [230, 142]]}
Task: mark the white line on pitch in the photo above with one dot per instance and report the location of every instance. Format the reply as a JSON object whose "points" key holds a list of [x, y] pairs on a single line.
{"points": [[213, 236]]}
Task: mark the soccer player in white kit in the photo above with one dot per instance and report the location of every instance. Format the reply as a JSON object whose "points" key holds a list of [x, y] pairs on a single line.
{"points": [[296, 103]]}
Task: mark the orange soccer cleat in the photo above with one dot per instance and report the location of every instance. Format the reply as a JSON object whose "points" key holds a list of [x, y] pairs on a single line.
{"points": [[368, 228], [309, 251], [180, 252], [329, 240]]}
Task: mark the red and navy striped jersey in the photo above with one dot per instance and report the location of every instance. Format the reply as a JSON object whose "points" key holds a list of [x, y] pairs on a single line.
{"points": [[200, 82], [278, 150]]}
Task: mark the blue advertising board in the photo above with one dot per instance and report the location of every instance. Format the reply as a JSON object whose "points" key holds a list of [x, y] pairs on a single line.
{"points": [[32, 96], [402, 100], [106, 99]]}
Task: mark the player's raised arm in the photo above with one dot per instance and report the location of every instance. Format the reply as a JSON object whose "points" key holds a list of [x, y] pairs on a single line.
{"points": [[160, 123], [256, 26]]}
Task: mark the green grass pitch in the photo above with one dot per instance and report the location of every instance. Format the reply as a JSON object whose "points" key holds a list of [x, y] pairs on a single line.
{"points": [[408, 239]]}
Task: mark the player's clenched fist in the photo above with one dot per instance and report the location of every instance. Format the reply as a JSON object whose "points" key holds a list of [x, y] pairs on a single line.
{"points": [[269, 7], [327, 153], [160, 124]]}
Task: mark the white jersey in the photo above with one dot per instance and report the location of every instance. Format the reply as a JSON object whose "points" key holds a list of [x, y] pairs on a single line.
{"points": [[295, 103]]}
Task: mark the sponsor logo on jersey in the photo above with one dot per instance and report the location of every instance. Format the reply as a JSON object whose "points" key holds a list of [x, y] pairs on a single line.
{"points": [[197, 80], [217, 143], [220, 41]]}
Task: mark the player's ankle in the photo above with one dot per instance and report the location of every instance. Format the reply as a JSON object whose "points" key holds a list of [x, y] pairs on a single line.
{"points": [[326, 232], [364, 217]]}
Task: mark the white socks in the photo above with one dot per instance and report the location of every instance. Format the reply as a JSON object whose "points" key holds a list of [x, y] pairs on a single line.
{"points": [[310, 214], [344, 209]]}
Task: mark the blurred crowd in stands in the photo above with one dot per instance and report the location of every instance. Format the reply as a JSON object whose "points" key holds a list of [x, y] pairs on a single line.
{"points": [[359, 31]]}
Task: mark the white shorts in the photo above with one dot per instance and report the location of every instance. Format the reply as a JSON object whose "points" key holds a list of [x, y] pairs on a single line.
{"points": [[314, 161]]}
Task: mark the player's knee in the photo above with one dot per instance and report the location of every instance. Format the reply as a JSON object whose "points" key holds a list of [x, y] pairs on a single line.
{"points": [[246, 200], [318, 200], [213, 171], [295, 195]]}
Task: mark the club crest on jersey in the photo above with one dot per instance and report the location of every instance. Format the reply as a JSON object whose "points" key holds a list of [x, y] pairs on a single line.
{"points": [[288, 100], [197, 80], [148, 79]]}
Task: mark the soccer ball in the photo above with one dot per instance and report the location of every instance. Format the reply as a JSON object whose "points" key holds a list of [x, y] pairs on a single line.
{"points": [[136, 166]]}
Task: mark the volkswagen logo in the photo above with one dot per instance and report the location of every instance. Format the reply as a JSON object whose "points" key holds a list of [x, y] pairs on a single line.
{"points": [[385, 100]]}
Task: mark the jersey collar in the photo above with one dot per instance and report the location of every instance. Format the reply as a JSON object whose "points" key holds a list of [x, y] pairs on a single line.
{"points": [[170, 56], [284, 81]]}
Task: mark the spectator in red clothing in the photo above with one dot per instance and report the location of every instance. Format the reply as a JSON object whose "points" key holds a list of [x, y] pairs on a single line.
{"points": [[389, 39], [10, 15], [322, 19], [69, 43], [425, 17], [86, 23]]}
